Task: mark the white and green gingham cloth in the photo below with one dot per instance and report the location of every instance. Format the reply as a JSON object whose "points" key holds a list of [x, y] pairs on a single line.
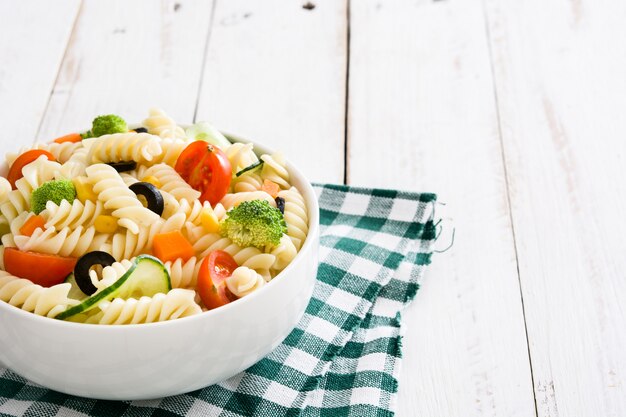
{"points": [[343, 357]]}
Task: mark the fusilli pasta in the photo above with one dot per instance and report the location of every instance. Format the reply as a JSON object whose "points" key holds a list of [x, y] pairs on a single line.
{"points": [[113, 192], [296, 216], [159, 123], [244, 281], [172, 182], [234, 199], [28, 296], [175, 304], [131, 146], [274, 170]]}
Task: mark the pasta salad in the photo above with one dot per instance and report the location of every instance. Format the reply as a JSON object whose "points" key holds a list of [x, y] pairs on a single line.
{"points": [[126, 226]]}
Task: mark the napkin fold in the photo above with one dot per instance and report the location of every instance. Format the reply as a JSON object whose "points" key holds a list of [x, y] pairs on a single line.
{"points": [[343, 357]]}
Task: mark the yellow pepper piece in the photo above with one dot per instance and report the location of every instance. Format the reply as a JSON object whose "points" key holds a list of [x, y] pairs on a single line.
{"points": [[152, 180], [209, 220], [105, 224], [84, 190]]}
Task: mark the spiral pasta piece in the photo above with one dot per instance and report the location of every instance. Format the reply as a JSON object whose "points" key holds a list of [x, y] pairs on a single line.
{"points": [[65, 242], [130, 146], [62, 151], [184, 274], [72, 214], [233, 200], [240, 155], [5, 189], [296, 216], [285, 252], [24, 294], [249, 256], [171, 150], [249, 181], [35, 174], [172, 182], [274, 170], [177, 303], [116, 196], [110, 274], [126, 245], [160, 124], [244, 281]]}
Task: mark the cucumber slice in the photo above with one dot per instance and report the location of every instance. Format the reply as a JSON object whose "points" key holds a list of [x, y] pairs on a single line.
{"points": [[252, 167], [206, 132], [146, 277], [75, 292]]}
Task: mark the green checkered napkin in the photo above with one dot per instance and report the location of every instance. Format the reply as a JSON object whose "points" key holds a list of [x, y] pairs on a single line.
{"points": [[343, 357]]}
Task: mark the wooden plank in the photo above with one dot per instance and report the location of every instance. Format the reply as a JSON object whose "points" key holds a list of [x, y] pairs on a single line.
{"points": [[126, 57], [559, 71], [422, 116], [275, 73], [33, 37]]}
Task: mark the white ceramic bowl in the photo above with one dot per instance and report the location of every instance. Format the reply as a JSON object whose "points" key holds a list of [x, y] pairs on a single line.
{"points": [[146, 361]]}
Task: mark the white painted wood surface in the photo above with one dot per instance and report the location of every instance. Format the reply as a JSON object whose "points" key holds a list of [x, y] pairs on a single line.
{"points": [[125, 57], [511, 111], [428, 91], [33, 40], [276, 72], [559, 72]]}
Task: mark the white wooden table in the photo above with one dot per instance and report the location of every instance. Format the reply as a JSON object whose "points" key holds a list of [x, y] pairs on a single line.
{"points": [[512, 111]]}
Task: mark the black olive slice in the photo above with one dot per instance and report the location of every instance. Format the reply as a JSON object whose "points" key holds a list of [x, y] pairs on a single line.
{"points": [[151, 193], [123, 165], [141, 130], [84, 264], [280, 204]]}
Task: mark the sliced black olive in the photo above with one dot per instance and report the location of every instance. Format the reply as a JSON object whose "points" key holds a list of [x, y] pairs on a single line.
{"points": [[123, 165], [84, 264], [141, 130], [151, 193], [280, 204]]}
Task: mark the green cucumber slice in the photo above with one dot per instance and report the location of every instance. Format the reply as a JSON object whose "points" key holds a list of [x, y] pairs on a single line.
{"points": [[206, 132], [75, 292], [146, 277], [252, 167]]}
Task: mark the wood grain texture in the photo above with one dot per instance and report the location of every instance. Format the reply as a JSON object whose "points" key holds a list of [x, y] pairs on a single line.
{"points": [[276, 73], [422, 116], [33, 37], [125, 57], [559, 71]]}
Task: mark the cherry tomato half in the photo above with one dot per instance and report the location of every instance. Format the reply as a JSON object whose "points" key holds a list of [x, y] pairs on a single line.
{"points": [[214, 270], [41, 268], [15, 172], [206, 168]]}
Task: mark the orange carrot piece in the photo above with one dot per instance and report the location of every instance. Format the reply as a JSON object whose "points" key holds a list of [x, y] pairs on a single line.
{"points": [[271, 188], [171, 246], [72, 137], [31, 224]]}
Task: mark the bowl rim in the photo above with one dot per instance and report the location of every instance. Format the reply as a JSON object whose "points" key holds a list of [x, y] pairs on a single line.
{"points": [[313, 214]]}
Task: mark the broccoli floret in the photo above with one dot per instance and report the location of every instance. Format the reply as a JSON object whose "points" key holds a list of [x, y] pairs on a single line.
{"points": [[55, 191], [254, 223], [108, 124]]}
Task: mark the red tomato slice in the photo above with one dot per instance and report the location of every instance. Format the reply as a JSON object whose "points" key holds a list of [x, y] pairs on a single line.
{"points": [[15, 172], [206, 168], [214, 270], [43, 269]]}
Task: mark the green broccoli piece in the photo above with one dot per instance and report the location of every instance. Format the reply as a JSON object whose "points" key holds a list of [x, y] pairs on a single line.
{"points": [[55, 191], [254, 223], [108, 124]]}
